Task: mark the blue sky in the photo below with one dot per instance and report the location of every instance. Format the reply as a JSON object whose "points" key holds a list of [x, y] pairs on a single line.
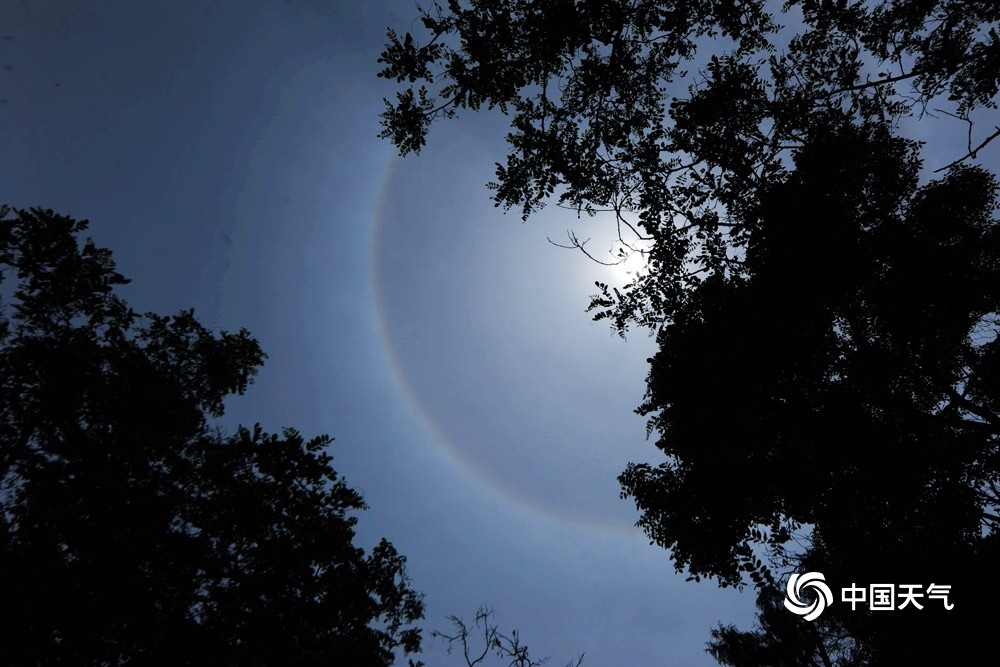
{"points": [[228, 154]]}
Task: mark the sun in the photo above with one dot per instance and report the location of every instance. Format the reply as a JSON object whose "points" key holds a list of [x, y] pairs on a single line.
{"points": [[616, 254], [627, 262]]}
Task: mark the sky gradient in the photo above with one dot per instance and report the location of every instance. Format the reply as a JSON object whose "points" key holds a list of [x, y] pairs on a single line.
{"points": [[227, 153]]}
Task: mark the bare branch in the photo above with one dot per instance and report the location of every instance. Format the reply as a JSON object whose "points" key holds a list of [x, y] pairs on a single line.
{"points": [[871, 84], [508, 648], [972, 153], [576, 243]]}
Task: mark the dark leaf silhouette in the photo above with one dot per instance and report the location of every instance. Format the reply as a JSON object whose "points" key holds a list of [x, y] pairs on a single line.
{"points": [[132, 530], [825, 393]]}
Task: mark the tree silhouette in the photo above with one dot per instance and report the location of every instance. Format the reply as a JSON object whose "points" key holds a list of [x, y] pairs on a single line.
{"points": [[841, 383], [478, 641], [825, 392], [784, 640], [132, 530], [669, 115]]}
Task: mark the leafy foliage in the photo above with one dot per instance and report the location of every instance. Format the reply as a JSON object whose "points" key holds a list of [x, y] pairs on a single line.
{"points": [[836, 385], [785, 640], [133, 531], [670, 115], [852, 329], [826, 314]]}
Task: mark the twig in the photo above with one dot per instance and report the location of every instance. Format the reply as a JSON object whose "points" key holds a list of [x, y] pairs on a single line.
{"points": [[577, 244], [972, 153]]}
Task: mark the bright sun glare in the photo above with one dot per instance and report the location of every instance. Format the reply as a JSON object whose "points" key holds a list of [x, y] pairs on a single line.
{"points": [[630, 261], [620, 259]]}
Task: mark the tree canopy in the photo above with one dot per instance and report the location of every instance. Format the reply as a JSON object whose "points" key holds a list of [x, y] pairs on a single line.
{"points": [[826, 388], [669, 115], [133, 530]]}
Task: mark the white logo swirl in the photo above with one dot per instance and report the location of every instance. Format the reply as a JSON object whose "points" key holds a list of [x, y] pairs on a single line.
{"points": [[815, 581]]}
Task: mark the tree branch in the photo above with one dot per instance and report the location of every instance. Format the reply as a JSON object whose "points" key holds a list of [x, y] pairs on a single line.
{"points": [[871, 84], [507, 647], [576, 243], [972, 153]]}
